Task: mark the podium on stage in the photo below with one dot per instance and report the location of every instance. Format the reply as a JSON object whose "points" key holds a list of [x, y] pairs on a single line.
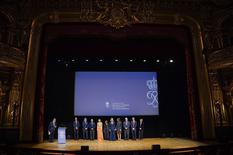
{"points": [[61, 135]]}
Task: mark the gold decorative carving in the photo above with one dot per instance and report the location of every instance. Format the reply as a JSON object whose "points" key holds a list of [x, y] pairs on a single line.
{"points": [[219, 112], [12, 118], [221, 59], [4, 92], [11, 57], [115, 13]]}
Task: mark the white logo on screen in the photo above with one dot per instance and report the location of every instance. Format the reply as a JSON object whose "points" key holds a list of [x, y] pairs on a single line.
{"points": [[107, 104], [152, 93]]}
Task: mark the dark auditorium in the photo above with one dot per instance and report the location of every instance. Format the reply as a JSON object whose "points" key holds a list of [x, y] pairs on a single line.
{"points": [[130, 77]]}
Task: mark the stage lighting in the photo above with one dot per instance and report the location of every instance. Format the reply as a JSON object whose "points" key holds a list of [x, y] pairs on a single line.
{"points": [[73, 60], [67, 64], [158, 60], [116, 60], [101, 60], [144, 60], [86, 60], [171, 60], [58, 60], [131, 60]]}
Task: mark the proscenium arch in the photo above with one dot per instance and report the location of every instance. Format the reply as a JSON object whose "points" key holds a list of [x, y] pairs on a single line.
{"points": [[31, 70]]}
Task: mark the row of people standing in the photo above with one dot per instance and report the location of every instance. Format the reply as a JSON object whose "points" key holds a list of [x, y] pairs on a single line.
{"points": [[110, 130]]}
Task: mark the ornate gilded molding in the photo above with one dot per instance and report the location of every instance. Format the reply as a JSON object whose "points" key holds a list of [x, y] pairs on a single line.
{"points": [[11, 57], [13, 107], [221, 59], [218, 102], [117, 14]]}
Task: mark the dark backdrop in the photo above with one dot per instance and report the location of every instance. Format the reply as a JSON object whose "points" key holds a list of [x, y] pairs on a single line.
{"points": [[68, 54]]}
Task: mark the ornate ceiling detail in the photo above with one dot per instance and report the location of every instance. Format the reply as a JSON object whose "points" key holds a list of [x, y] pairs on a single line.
{"points": [[116, 13]]}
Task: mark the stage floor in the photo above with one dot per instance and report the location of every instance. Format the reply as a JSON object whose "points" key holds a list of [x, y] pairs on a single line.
{"points": [[122, 145]]}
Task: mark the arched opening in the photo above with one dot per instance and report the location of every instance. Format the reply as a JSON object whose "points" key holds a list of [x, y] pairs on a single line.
{"points": [[40, 50]]}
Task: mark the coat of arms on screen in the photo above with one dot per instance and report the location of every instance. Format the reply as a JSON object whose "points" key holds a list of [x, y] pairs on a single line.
{"points": [[152, 94]]}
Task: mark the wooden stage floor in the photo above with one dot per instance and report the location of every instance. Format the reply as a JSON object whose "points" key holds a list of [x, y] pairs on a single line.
{"points": [[122, 145]]}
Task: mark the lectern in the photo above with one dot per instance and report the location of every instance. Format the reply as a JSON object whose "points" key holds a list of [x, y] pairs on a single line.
{"points": [[61, 135]]}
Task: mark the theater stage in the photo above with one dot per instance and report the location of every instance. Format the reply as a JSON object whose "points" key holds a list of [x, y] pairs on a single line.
{"points": [[130, 145]]}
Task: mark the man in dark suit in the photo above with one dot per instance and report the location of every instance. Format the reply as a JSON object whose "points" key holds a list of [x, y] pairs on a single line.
{"points": [[140, 129], [92, 129], [85, 128], [126, 125], [76, 126], [112, 130], [134, 128], [106, 130], [51, 129]]}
